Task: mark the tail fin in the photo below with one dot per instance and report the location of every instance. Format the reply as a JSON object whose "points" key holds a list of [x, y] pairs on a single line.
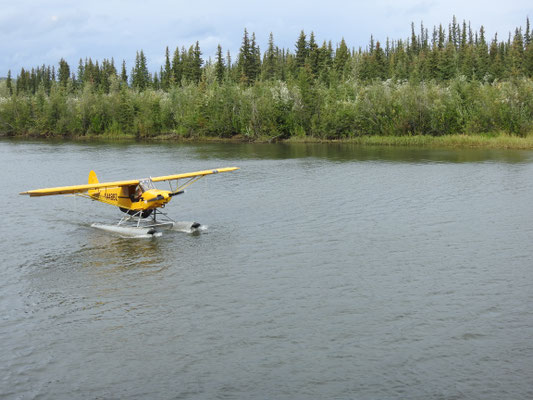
{"points": [[92, 177]]}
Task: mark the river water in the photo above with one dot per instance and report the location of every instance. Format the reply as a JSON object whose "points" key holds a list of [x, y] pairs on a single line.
{"points": [[326, 271]]}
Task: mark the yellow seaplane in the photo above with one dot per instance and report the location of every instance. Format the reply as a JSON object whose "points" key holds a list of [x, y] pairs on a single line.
{"points": [[137, 198]]}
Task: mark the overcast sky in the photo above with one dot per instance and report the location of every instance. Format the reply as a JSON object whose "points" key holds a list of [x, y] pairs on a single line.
{"points": [[33, 33]]}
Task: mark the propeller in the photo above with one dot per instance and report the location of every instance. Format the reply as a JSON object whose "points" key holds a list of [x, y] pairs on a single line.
{"points": [[176, 193]]}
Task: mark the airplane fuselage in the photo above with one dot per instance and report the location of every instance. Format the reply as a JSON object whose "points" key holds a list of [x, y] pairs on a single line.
{"points": [[130, 198]]}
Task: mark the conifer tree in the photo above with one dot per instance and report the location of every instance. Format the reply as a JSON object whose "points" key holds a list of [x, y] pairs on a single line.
{"points": [[167, 73], [196, 63], [301, 50], [244, 56], [414, 40], [248, 60], [229, 66], [9, 83], [527, 35], [442, 38], [447, 62], [516, 53], [219, 66], [341, 57], [269, 60], [81, 73], [380, 61], [63, 73], [256, 59], [123, 74], [314, 55], [528, 60], [177, 67], [156, 84], [140, 75], [482, 56]]}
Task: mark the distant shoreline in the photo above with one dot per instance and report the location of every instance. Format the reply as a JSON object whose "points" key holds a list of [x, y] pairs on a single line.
{"points": [[488, 141]]}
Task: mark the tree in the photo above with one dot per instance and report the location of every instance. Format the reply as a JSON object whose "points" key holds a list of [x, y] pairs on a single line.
{"points": [[177, 67], [9, 83], [219, 66], [63, 73], [482, 56], [196, 63], [140, 75], [516, 53], [528, 60], [341, 57], [379, 63], [447, 63], [249, 59], [81, 73], [301, 50], [256, 59], [167, 73], [313, 58], [123, 74], [269, 60]]}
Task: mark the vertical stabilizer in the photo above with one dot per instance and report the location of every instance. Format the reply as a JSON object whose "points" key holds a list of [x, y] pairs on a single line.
{"points": [[92, 177]]}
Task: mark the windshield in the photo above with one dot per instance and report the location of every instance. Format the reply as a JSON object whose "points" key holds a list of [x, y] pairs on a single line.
{"points": [[146, 184]]}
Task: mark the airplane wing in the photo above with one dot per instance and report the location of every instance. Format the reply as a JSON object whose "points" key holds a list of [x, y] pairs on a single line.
{"points": [[78, 188], [91, 186], [192, 174]]}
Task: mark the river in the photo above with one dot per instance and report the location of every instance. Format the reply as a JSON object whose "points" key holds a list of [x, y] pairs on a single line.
{"points": [[326, 271]]}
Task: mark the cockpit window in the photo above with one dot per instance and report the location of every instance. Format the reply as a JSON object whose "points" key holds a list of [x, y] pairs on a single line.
{"points": [[146, 184]]}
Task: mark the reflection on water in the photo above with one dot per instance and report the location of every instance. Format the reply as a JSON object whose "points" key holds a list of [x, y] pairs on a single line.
{"points": [[118, 254], [328, 271]]}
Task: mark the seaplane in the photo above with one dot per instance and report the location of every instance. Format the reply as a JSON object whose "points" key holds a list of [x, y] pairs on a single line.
{"points": [[138, 199]]}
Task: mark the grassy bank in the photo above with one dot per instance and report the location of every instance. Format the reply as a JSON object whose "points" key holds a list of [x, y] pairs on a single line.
{"points": [[501, 141], [487, 141]]}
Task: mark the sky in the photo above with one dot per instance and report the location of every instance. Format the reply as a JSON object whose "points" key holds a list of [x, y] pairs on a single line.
{"points": [[34, 33]]}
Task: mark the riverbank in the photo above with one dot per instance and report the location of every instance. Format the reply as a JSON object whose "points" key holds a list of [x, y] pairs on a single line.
{"points": [[488, 141]]}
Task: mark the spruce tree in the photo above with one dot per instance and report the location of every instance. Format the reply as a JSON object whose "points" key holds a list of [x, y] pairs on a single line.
{"points": [[140, 76], [177, 67], [496, 66], [516, 54], [123, 74], [244, 59], [447, 62], [219, 66], [482, 56], [527, 35], [249, 60], [414, 40], [301, 50], [379, 63], [314, 55], [342, 56], [196, 63], [269, 60], [528, 60], [255, 62], [81, 73], [167, 73], [9, 83], [229, 66]]}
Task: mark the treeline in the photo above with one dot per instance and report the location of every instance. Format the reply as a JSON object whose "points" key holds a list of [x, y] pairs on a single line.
{"points": [[452, 81]]}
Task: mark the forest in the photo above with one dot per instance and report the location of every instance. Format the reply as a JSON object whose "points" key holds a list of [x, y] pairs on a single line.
{"points": [[447, 80]]}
